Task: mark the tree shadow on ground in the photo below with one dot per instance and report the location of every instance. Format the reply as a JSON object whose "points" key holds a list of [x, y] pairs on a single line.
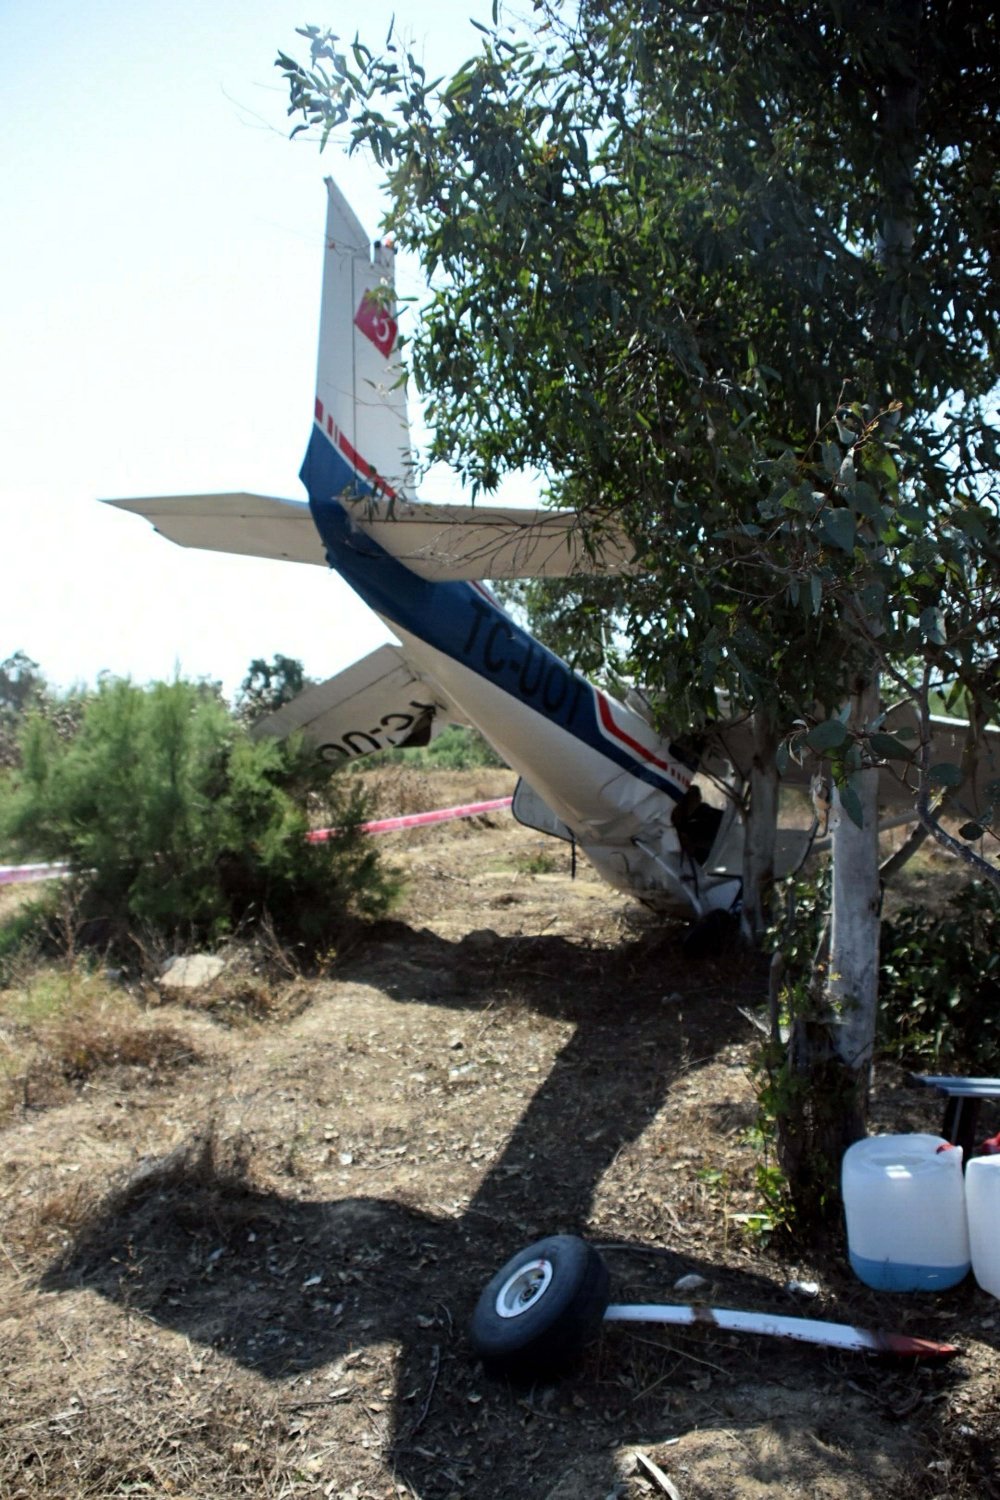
{"points": [[285, 1286]]}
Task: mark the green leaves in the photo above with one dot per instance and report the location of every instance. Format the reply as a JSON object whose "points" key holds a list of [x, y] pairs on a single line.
{"points": [[830, 735], [888, 747], [838, 528], [851, 804], [945, 774], [940, 982]]}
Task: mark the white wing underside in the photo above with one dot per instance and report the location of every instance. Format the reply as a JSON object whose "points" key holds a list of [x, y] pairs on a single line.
{"points": [[437, 542], [378, 703]]}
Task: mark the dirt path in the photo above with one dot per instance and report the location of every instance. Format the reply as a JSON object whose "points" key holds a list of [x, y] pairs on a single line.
{"points": [[250, 1276]]}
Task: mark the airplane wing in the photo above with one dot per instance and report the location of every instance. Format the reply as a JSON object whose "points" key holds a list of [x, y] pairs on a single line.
{"points": [[897, 779], [437, 542], [378, 704], [249, 525]]}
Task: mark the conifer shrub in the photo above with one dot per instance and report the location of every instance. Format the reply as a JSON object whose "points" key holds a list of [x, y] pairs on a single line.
{"points": [[174, 821]]}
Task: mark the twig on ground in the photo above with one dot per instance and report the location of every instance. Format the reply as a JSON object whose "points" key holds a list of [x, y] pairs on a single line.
{"points": [[422, 1414], [654, 1472]]}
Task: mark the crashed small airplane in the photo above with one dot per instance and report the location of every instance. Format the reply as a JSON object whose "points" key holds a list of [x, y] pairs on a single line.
{"points": [[592, 769]]}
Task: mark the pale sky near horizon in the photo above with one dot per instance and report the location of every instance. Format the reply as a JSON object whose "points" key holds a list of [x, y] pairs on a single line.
{"points": [[160, 268]]}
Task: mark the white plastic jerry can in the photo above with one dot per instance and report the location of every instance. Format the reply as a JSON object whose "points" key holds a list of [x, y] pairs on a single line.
{"points": [[982, 1202], [904, 1200]]}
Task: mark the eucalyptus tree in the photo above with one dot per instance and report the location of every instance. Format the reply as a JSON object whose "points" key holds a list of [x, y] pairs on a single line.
{"points": [[725, 271], [267, 685]]}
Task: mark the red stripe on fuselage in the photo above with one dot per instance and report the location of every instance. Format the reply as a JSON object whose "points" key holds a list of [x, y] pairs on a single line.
{"points": [[363, 467], [610, 727], [359, 464]]}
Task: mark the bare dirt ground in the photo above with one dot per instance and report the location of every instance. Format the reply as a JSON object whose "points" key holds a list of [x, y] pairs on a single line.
{"points": [[242, 1262]]}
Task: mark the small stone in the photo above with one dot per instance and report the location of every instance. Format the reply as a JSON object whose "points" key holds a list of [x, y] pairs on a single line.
{"points": [[191, 971]]}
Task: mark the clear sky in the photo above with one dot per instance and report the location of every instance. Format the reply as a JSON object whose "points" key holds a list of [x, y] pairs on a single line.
{"points": [[160, 265]]}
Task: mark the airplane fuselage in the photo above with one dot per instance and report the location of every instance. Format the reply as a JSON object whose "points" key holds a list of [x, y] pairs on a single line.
{"points": [[599, 767]]}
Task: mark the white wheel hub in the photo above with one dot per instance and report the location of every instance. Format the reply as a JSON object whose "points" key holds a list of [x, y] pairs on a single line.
{"points": [[523, 1288]]}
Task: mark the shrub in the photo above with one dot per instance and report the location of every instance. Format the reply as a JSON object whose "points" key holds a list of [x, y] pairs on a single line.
{"points": [[456, 748], [174, 820], [940, 983], [460, 749]]}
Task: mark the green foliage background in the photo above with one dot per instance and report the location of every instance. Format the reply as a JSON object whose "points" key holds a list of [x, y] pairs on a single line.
{"points": [[940, 984], [456, 748]]}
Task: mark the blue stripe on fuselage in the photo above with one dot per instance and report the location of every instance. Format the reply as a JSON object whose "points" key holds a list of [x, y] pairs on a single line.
{"points": [[454, 617]]}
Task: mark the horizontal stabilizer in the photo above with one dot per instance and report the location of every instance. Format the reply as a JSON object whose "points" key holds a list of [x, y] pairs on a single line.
{"points": [[249, 525], [436, 542], [451, 542], [378, 704]]}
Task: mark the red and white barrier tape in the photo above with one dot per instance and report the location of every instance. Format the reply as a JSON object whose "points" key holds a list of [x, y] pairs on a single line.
{"points": [[21, 874], [418, 820]]}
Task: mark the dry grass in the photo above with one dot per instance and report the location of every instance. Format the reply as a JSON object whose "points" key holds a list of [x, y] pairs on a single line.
{"points": [[250, 1277], [62, 1023], [190, 1438], [397, 791], [254, 988]]}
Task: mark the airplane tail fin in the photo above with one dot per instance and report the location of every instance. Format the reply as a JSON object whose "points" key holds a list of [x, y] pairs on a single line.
{"points": [[360, 392], [360, 444]]}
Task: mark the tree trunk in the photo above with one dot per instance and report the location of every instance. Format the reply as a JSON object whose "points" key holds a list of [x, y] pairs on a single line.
{"points": [[852, 981], [824, 1082], [761, 830]]}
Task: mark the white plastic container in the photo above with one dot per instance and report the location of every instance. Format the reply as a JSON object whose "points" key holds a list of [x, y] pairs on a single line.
{"points": [[982, 1203], [904, 1200]]}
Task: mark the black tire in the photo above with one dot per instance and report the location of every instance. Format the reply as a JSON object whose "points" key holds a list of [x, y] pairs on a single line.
{"points": [[541, 1307]]}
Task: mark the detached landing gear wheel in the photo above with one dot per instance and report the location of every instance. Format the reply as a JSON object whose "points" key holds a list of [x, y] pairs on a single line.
{"points": [[541, 1307]]}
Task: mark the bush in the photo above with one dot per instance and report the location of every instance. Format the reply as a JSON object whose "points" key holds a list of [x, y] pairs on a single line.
{"points": [[456, 748], [940, 983], [175, 821]]}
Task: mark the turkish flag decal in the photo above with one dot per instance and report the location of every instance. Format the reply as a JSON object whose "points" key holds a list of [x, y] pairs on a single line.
{"points": [[376, 324]]}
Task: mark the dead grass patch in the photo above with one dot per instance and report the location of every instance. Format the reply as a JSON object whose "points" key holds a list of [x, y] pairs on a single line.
{"points": [[203, 1187], [178, 1439], [258, 986], [62, 1025], [397, 791]]}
